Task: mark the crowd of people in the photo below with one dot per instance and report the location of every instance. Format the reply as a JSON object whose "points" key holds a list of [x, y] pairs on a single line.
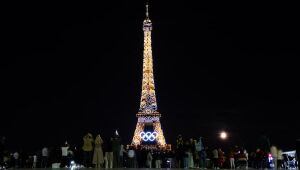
{"points": [[191, 153], [188, 153]]}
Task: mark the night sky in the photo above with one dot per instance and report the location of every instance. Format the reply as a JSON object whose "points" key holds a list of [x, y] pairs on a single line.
{"points": [[68, 69]]}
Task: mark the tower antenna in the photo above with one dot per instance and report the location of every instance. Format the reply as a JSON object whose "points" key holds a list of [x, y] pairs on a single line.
{"points": [[147, 10]]}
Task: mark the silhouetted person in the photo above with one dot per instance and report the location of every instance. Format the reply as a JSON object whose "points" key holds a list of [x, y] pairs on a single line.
{"points": [[157, 159], [108, 154], [215, 156], [16, 157], [121, 156], [34, 161], [279, 159], [116, 146], [45, 156], [87, 149], [149, 159], [274, 153], [179, 152], [131, 157], [64, 155]]}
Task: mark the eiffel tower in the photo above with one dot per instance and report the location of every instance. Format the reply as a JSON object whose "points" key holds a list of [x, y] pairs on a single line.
{"points": [[148, 133]]}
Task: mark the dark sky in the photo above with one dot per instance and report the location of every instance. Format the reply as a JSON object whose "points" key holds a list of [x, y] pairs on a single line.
{"points": [[71, 68]]}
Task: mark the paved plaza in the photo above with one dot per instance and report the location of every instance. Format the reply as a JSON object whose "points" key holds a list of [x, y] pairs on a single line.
{"points": [[123, 168]]}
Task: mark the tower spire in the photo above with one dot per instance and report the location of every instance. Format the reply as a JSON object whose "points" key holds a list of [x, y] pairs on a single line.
{"points": [[147, 10]]}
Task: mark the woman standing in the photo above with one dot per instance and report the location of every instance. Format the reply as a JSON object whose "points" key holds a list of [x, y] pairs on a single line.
{"points": [[98, 159], [231, 159]]}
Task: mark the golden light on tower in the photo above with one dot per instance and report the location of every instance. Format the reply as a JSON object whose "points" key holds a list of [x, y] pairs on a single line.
{"points": [[148, 128]]}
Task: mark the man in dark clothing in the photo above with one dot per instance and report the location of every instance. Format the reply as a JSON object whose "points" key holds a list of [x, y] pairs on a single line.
{"points": [[179, 152], [258, 159], [116, 147], [157, 159], [139, 157], [108, 150], [144, 153]]}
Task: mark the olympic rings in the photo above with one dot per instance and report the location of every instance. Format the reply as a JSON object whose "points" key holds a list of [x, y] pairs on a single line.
{"points": [[148, 136]]}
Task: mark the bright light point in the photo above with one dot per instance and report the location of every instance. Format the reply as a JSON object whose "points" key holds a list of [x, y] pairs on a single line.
{"points": [[223, 135]]}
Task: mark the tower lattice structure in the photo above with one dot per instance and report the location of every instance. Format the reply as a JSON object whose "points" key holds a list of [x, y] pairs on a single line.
{"points": [[148, 132]]}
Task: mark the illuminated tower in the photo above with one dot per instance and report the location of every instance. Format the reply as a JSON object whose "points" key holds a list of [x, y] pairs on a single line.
{"points": [[148, 133]]}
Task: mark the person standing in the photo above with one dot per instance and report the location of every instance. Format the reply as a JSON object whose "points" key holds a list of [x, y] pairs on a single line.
{"points": [[191, 153], [98, 159], [109, 154], [274, 151], [279, 159], [34, 161], [258, 158], [64, 155], [149, 159], [116, 146], [87, 149], [231, 159], [131, 157], [45, 155], [220, 158], [199, 148], [186, 149], [16, 157], [122, 151], [179, 151], [242, 160], [158, 159], [247, 157], [202, 158], [215, 157]]}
